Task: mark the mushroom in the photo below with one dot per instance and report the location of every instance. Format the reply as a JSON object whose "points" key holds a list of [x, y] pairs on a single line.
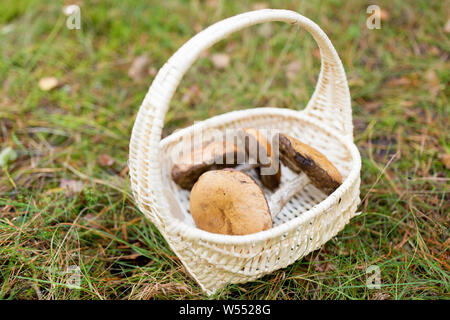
{"points": [[215, 155], [300, 157], [229, 202], [259, 149], [303, 159]]}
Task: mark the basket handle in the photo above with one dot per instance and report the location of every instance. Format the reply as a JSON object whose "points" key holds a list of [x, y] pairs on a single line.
{"points": [[330, 102]]}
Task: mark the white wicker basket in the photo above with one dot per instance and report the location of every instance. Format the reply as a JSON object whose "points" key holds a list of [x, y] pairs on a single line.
{"points": [[308, 221]]}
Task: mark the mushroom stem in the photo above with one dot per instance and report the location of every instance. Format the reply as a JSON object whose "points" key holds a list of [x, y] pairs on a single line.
{"points": [[282, 196]]}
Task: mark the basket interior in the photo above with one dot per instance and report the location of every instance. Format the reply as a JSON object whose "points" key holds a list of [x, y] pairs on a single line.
{"points": [[298, 127]]}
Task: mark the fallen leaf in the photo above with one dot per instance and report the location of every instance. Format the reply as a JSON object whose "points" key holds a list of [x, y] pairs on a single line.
{"points": [[434, 51], [48, 83], [197, 27], [384, 14], [446, 160], [359, 124], [152, 71], [407, 103], [220, 60], [105, 160], [71, 186], [97, 138], [204, 54], [447, 26], [230, 46], [402, 81], [7, 155], [316, 53], [212, 3], [192, 95], [433, 82], [139, 68], [292, 69], [260, 5], [372, 106]]}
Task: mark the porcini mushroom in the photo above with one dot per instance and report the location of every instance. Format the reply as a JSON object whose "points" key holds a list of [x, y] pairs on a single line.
{"points": [[216, 155], [300, 157], [229, 202], [259, 149], [312, 166]]}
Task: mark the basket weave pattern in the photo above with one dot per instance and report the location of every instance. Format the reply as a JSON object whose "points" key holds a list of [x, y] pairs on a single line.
{"points": [[309, 219]]}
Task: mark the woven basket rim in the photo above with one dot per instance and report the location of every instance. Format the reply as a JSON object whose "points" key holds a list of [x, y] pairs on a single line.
{"points": [[193, 233]]}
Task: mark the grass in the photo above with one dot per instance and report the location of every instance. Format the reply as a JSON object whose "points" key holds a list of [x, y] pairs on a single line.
{"points": [[61, 206]]}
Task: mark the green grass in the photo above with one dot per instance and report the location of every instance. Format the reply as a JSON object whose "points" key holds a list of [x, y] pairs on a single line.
{"points": [[398, 78]]}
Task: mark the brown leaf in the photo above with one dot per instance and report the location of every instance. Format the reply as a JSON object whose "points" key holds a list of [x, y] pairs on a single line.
{"points": [[139, 68], [230, 46], [105, 160], [48, 83], [372, 106], [71, 186], [401, 81], [434, 51], [97, 138], [152, 71], [446, 160], [220, 60], [292, 69], [259, 6], [204, 54], [384, 15], [316, 53], [407, 103], [212, 3], [447, 26], [433, 82], [197, 27], [192, 95]]}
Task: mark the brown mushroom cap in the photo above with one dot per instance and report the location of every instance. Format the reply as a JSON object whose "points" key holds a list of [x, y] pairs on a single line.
{"points": [[229, 202], [264, 157], [302, 157], [215, 155]]}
